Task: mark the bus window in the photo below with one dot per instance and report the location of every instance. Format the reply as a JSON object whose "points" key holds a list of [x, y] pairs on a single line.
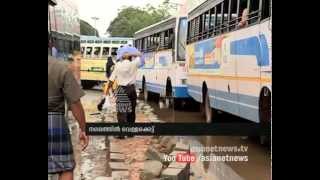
{"points": [[166, 39], [144, 43], [71, 47], [157, 40], [114, 50], [192, 24], [151, 43], [105, 52], [124, 42], [96, 52], [206, 17], [218, 19], [82, 50], [171, 39], [225, 18], [88, 52], [83, 41], [106, 42], [182, 31], [115, 42], [233, 14], [212, 21], [197, 27], [161, 39], [253, 11], [90, 41], [243, 11], [265, 12], [98, 41]]}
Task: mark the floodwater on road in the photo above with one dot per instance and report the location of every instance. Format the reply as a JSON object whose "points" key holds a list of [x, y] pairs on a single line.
{"points": [[258, 165]]}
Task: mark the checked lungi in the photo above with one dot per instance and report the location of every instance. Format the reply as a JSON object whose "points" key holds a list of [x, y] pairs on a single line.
{"points": [[60, 152], [126, 101]]}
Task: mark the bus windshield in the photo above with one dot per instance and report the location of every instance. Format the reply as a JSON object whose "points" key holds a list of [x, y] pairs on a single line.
{"points": [[182, 34]]}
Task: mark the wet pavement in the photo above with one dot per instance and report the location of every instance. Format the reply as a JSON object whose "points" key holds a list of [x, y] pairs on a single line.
{"points": [[259, 163], [94, 162]]}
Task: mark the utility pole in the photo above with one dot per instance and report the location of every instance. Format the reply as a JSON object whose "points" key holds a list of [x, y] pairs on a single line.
{"points": [[95, 21]]}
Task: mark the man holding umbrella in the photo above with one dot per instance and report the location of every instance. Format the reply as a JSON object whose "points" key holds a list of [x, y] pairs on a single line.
{"points": [[125, 72]]}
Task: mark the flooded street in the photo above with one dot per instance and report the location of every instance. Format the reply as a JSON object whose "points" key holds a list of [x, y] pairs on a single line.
{"points": [[259, 163], [94, 161]]}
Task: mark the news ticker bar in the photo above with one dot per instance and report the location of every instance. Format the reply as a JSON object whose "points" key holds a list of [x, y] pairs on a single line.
{"points": [[179, 129]]}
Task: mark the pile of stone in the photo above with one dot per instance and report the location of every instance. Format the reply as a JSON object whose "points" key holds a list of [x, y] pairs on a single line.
{"points": [[117, 165], [158, 167]]}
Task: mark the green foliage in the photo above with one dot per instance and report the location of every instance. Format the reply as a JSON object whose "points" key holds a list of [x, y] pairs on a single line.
{"points": [[87, 29], [131, 19]]}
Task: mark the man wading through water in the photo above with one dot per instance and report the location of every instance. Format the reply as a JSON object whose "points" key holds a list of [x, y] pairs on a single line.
{"points": [[124, 73], [62, 86]]}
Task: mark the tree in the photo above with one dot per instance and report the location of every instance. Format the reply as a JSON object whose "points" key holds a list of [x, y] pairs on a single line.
{"points": [[131, 19], [87, 29]]}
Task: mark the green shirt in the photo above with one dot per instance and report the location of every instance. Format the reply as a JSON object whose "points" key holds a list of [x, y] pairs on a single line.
{"points": [[62, 86]]}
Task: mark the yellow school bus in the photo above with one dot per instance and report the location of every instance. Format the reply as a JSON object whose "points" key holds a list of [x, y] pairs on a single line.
{"points": [[95, 51]]}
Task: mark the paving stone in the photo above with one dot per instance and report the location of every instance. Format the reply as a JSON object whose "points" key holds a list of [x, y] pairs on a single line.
{"points": [[120, 174], [103, 178], [117, 157], [118, 166], [173, 174], [114, 148], [178, 165], [174, 153], [181, 147], [154, 154]]}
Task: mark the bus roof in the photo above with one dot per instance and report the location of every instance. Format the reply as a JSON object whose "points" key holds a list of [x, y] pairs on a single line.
{"points": [[104, 38], [205, 6], [157, 27]]}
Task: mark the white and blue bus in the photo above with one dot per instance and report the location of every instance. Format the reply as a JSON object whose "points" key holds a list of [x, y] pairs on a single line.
{"points": [[63, 27], [95, 51], [163, 46], [229, 58]]}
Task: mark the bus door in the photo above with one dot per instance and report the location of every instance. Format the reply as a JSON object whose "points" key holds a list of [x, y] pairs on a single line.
{"points": [[180, 50]]}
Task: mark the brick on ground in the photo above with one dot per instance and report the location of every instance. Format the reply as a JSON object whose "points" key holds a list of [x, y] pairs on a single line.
{"points": [[103, 178], [173, 174], [114, 148], [174, 153], [120, 174], [185, 167], [117, 157], [118, 166], [178, 165], [181, 147]]}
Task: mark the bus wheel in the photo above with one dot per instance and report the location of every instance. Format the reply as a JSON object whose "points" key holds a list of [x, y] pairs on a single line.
{"points": [[145, 91], [169, 100], [265, 111], [207, 109], [86, 84]]}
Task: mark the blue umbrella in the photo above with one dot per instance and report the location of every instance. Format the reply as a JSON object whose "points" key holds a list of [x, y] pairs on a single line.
{"points": [[127, 50]]}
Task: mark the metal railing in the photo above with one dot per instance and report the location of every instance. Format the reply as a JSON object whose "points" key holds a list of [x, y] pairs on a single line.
{"points": [[232, 25]]}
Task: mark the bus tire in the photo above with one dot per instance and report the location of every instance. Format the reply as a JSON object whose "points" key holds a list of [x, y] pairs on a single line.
{"points": [[168, 99], [265, 112], [144, 91], [208, 111], [87, 84]]}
